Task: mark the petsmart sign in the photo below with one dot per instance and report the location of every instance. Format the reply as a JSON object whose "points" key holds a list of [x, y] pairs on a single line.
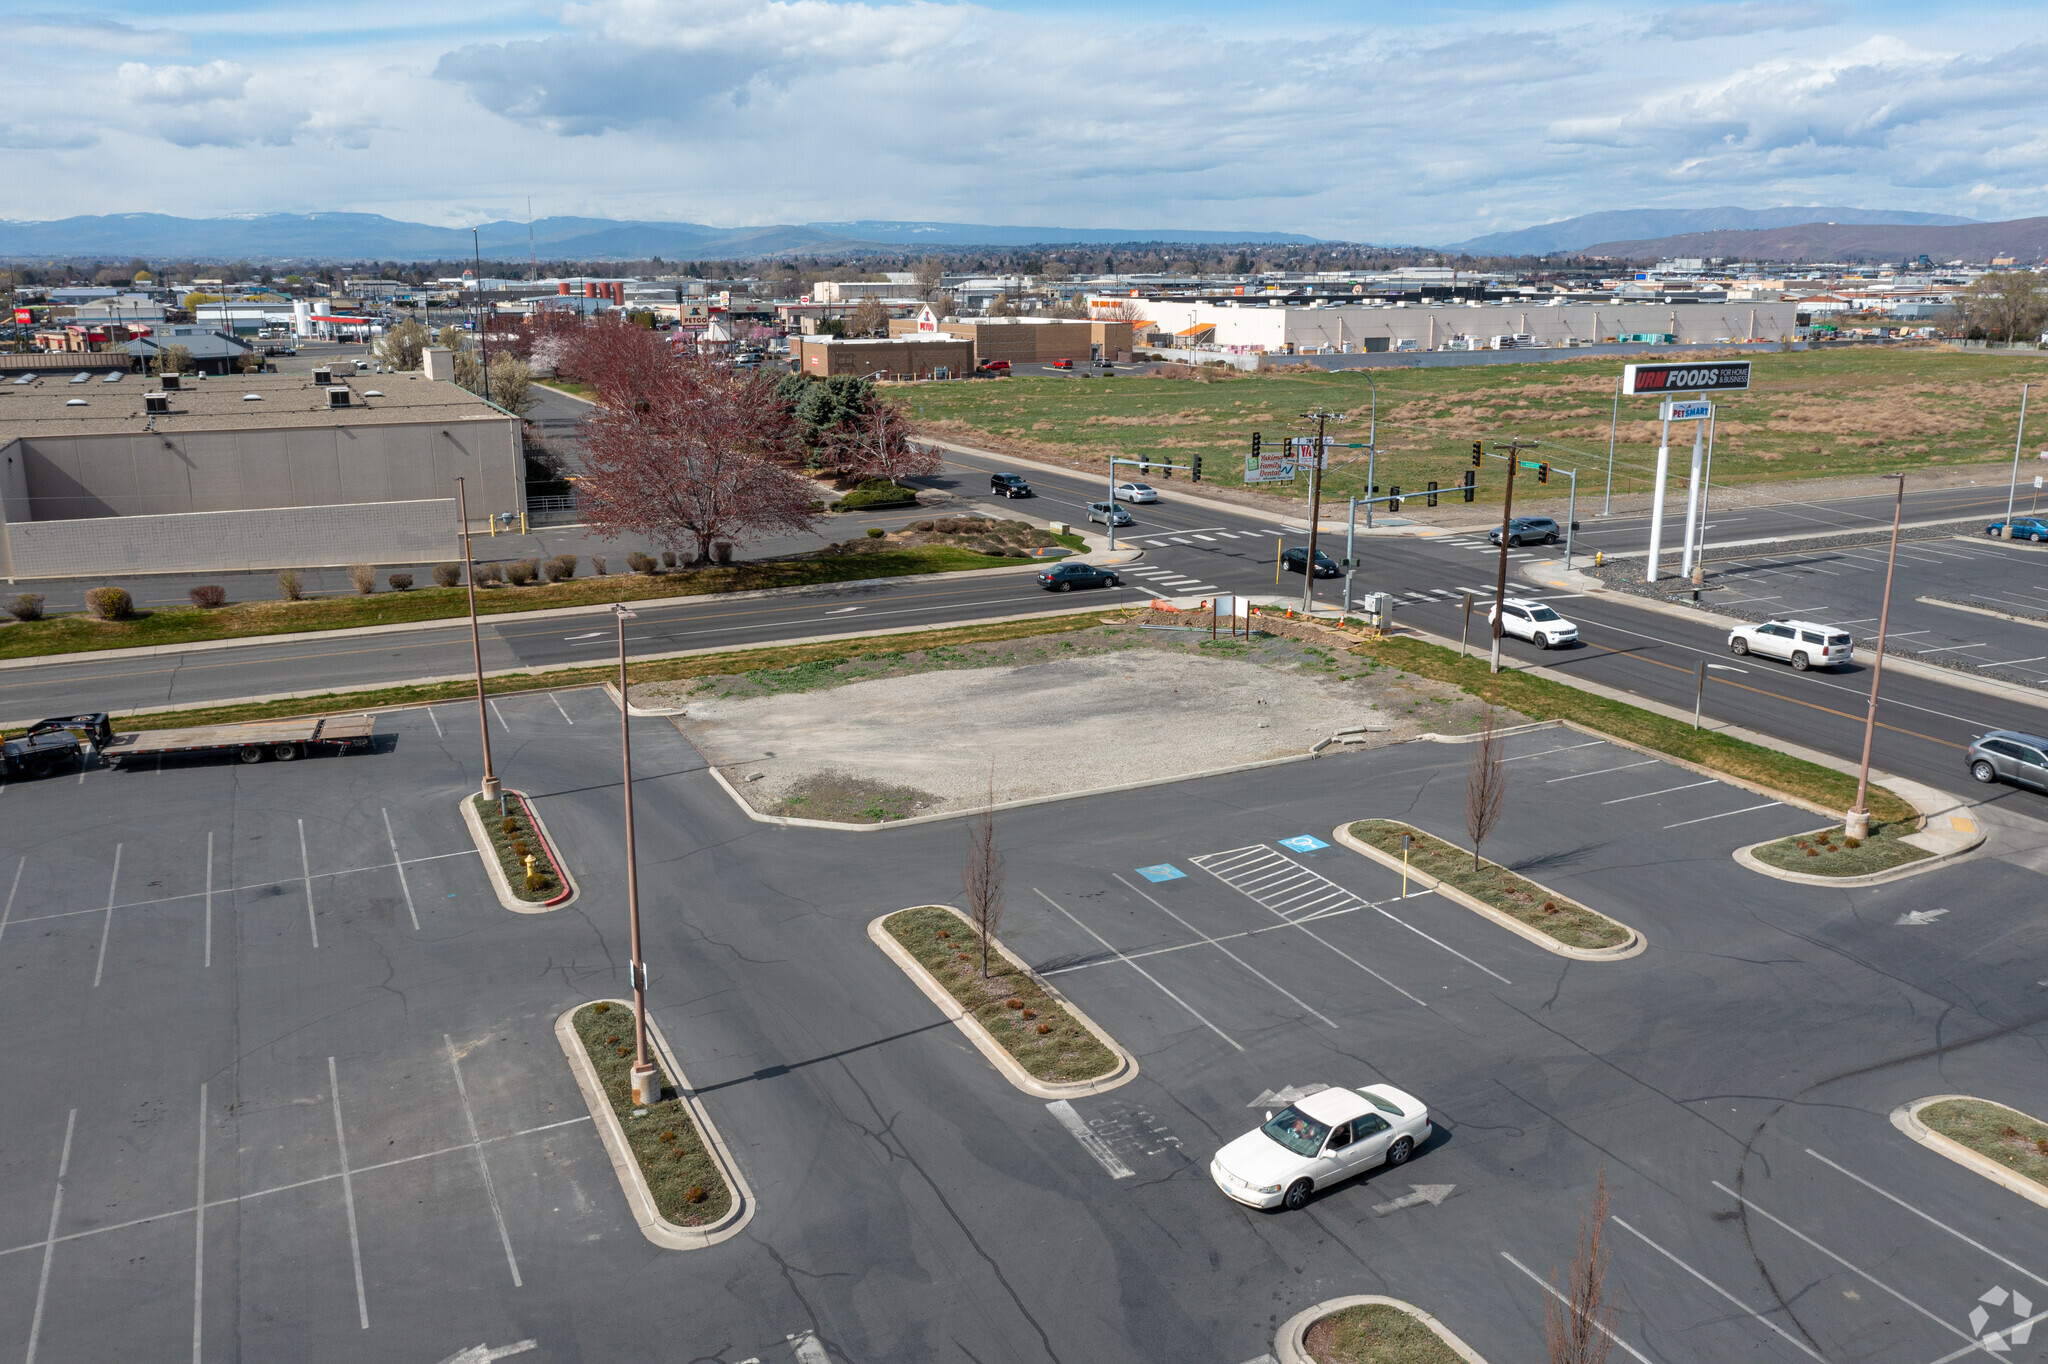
{"points": [[1717, 378], [1696, 411]]}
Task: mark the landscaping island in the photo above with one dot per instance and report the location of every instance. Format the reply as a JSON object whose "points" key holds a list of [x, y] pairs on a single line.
{"points": [[514, 836], [1376, 1333], [1831, 852], [1493, 885], [683, 1177], [1997, 1133]]}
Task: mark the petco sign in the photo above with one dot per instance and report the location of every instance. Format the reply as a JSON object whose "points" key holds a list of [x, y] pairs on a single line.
{"points": [[1732, 374]]}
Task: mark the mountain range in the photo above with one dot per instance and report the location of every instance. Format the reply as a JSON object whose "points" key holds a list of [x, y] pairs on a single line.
{"points": [[2025, 240], [1646, 224], [370, 236]]}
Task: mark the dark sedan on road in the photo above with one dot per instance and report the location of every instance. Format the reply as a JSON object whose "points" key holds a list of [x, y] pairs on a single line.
{"points": [[1293, 559], [2010, 755], [1528, 530], [2023, 528], [1067, 577]]}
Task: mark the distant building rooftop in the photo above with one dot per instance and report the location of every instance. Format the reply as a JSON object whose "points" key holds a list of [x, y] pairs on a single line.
{"points": [[42, 408]]}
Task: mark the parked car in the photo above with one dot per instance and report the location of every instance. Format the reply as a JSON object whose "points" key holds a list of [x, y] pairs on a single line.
{"points": [[993, 367], [1136, 492], [1293, 560], [2023, 528], [1528, 530], [1063, 364], [2010, 755], [1067, 577], [1009, 485], [1535, 622], [1320, 1140], [1800, 642], [1110, 514]]}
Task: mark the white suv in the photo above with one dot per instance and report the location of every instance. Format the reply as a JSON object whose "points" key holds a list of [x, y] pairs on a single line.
{"points": [[1801, 642], [1535, 622]]}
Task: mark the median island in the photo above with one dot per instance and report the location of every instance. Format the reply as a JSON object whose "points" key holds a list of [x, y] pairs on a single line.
{"points": [[1493, 885], [1376, 1333], [683, 1177], [1831, 852]]}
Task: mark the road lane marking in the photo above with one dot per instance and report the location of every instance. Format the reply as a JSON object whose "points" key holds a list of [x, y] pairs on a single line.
{"points": [[558, 706], [1769, 804], [1093, 1144], [209, 900], [1566, 748], [396, 861], [306, 868], [1139, 969], [1790, 1339], [8, 913], [199, 1233]]}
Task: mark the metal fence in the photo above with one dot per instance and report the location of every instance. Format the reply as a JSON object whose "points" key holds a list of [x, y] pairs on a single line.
{"points": [[552, 511]]}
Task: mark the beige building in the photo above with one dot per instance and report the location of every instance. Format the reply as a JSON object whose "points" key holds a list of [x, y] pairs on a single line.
{"points": [[929, 356], [1028, 340]]}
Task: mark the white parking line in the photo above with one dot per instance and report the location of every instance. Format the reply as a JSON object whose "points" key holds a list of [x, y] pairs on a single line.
{"points": [[1090, 1142], [1621, 800], [208, 965], [348, 1195], [107, 928], [1566, 748], [35, 1326], [306, 867], [1724, 814], [199, 1233], [396, 861], [500, 714], [483, 1166], [1650, 762], [437, 723], [1973, 1244], [1552, 1291], [565, 714], [1300, 1003], [1790, 1339], [8, 913], [1139, 969]]}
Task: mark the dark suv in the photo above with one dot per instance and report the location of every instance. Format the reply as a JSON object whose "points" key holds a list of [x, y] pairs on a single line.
{"points": [[2010, 755], [1528, 530], [1008, 485]]}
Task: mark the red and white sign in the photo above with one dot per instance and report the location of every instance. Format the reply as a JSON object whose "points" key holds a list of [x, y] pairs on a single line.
{"points": [[24, 315], [927, 320]]}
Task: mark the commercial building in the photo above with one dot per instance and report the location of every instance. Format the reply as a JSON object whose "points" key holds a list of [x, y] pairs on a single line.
{"points": [[112, 474], [1026, 340], [1275, 330], [930, 356]]}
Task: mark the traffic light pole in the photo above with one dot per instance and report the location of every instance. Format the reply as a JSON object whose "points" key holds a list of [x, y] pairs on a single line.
{"points": [[1315, 512], [1507, 511]]}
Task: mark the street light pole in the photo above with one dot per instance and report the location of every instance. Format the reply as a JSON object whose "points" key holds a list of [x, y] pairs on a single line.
{"points": [[646, 1076], [1315, 512], [490, 789], [1857, 823], [1507, 510], [2018, 438]]}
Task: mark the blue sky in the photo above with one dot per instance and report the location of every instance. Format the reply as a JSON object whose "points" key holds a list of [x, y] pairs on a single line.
{"points": [[1369, 121]]}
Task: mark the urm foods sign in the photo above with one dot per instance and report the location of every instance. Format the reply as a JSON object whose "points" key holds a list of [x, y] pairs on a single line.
{"points": [[1732, 374]]}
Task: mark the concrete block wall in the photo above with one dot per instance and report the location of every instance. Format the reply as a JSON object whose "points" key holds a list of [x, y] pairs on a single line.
{"points": [[422, 531]]}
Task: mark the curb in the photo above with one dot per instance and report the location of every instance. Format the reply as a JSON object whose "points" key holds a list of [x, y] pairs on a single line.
{"points": [[632, 1182], [1288, 1346], [611, 689], [1635, 945], [1011, 1069], [1747, 857], [506, 897], [1906, 1117]]}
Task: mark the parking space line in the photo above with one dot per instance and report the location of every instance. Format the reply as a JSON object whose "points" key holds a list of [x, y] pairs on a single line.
{"points": [[1225, 951], [396, 861], [500, 714], [1567, 748], [208, 964], [35, 1326], [199, 1231], [438, 734], [1724, 814], [306, 867], [1976, 1245], [1621, 800], [1854, 1269], [107, 928], [8, 913], [1551, 1289], [348, 1192], [1139, 969], [1790, 1339], [483, 1166], [1649, 762], [1093, 1144]]}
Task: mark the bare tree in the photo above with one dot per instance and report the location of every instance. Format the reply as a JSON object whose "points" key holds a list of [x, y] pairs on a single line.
{"points": [[2008, 303], [1486, 786], [1578, 1321], [930, 275], [870, 318], [982, 879]]}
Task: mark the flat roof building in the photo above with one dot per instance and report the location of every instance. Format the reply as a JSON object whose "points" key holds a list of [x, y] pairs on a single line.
{"points": [[931, 356]]}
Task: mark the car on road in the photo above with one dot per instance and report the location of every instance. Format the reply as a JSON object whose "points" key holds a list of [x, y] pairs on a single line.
{"points": [[1136, 492], [1110, 514], [1801, 643], [1295, 560], [1533, 621], [993, 367], [2010, 755], [1528, 530], [1009, 485], [2023, 528], [1063, 364], [1319, 1140], [1067, 577]]}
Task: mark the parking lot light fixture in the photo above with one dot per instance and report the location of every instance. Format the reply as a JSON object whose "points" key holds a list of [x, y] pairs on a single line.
{"points": [[646, 1077], [1857, 823], [490, 789]]}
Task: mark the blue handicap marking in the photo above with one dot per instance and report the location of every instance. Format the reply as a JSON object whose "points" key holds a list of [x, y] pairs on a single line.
{"points": [[1165, 871], [1303, 843]]}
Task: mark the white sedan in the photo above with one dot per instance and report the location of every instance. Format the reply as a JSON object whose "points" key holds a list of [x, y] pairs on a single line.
{"points": [[1535, 622], [1319, 1140], [1136, 492]]}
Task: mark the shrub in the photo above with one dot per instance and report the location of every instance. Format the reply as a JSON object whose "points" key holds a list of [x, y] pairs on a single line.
{"points": [[508, 825], [535, 879], [1044, 1028], [561, 568], [363, 578], [668, 558], [447, 575], [922, 525], [519, 572], [400, 582], [597, 565], [110, 603], [488, 573], [292, 583], [1852, 843], [27, 606], [600, 1008], [721, 551], [876, 533], [641, 563]]}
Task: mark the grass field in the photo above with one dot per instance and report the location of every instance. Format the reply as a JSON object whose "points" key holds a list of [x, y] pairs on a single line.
{"points": [[1809, 414]]}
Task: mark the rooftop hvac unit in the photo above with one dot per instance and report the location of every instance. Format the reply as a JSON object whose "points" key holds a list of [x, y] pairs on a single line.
{"points": [[323, 376], [156, 402], [168, 381], [337, 396]]}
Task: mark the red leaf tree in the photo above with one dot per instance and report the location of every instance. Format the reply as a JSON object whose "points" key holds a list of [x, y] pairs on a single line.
{"points": [[682, 452], [877, 444]]}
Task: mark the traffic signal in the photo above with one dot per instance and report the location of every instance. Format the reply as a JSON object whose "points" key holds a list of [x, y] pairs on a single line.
{"points": [[1255, 445], [1145, 467], [1432, 492], [1394, 498], [1196, 472], [1543, 473], [1468, 485], [1478, 454]]}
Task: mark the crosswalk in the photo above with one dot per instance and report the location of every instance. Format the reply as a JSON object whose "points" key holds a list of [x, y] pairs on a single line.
{"points": [[1480, 544], [1160, 541], [1178, 584]]}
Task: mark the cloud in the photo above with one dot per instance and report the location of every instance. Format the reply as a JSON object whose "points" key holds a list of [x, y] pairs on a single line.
{"points": [[1742, 18], [32, 31], [140, 83]]}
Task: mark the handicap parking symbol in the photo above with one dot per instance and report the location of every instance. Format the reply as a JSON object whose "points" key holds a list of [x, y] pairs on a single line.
{"points": [[1303, 843], [1165, 871]]}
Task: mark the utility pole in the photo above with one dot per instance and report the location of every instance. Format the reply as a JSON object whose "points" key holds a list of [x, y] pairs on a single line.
{"points": [[2018, 437], [491, 789], [483, 349], [1857, 823], [1315, 508], [1507, 510], [646, 1076]]}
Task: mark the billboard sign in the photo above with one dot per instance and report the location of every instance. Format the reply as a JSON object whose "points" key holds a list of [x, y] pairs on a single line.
{"points": [[1697, 411], [1264, 465], [1666, 378]]}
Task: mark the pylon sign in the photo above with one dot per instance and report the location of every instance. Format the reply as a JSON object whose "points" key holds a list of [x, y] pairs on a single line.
{"points": [[1666, 378]]}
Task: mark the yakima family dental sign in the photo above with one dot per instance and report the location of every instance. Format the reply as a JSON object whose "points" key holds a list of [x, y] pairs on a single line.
{"points": [[1733, 374]]}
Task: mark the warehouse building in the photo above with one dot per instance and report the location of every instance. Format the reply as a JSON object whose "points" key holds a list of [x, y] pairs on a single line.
{"points": [[1026, 340], [1276, 330], [929, 356], [120, 473]]}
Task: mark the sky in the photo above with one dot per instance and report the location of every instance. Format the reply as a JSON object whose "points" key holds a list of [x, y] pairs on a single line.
{"points": [[1377, 121]]}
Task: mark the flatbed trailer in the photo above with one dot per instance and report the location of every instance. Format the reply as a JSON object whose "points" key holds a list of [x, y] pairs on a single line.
{"points": [[251, 742]]}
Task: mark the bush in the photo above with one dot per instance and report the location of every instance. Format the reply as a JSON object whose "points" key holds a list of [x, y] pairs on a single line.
{"points": [[488, 573], [721, 551], [597, 565], [292, 583], [400, 582], [519, 572], [668, 558], [27, 606], [877, 492], [641, 563], [923, 525], [447, 575], [208, 595], [363, 578], [110, 603], [876, 532], [561, 568]]}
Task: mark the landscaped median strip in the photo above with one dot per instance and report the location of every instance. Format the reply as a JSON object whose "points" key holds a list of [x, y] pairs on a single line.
{"points": [[1370, 1329], [2003, 1144], [518, 855], [1831, 852], [1029, 1031], [1549, 920], [685, 1190]]}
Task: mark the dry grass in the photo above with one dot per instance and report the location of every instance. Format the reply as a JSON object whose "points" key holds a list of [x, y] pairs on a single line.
{"points": [[1514, 895], [1831, 852], [1374, 1333], [509, 842], [2006, 1135], [666, 1142]]}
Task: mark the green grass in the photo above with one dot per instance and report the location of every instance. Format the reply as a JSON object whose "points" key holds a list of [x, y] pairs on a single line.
{"points": [[666, 1142], [2011, 1138], [1067, 1053], [1539, 698], [1828, 853], [545, 885], [246, 620], [1812, 413], [569, 386], [1374, 1333], [1514, 895]]}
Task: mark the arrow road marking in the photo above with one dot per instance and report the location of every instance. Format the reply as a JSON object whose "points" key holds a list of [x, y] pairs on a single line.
{"points": [[1917, 918], [483, 1354], [1432, 1194]]}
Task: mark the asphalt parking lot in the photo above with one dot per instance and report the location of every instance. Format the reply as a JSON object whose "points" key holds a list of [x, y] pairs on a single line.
{"points": [[319, 1027]]}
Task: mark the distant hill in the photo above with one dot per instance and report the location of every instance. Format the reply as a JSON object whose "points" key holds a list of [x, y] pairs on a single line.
{"points": [[1575, 234], [2024, 239], [370, 236]]}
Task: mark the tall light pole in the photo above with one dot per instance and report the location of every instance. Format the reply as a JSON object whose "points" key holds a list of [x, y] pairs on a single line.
{"points": [[2018, 437], [490, 789], [1857, 823], [646, 1077], [1315, 508]]}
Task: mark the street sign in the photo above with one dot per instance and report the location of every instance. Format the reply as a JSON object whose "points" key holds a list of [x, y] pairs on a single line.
{"points": [[1727, 375], [1687, 412], [1528, 464]]}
